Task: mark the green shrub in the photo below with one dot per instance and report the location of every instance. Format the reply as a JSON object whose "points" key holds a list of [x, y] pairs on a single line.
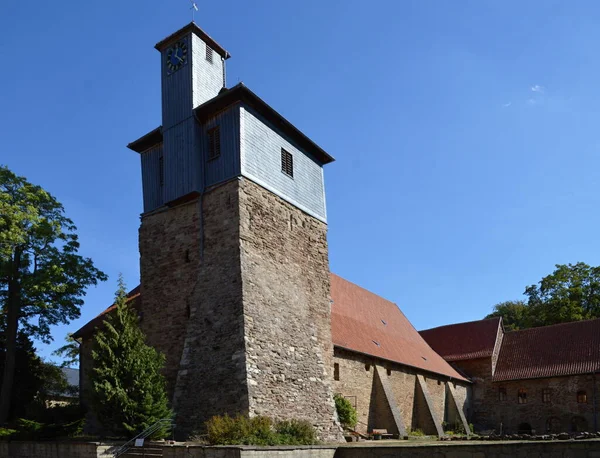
{"points": [[416, 432], [346, 411], [242, 430], [34, 430], [6, 433], [296, 432]]}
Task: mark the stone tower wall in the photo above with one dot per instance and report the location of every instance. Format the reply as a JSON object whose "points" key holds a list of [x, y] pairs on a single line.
{"points": [[169, 242], [212, 367], [287, 323]]}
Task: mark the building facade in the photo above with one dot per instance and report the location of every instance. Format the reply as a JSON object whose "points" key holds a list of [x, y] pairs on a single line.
{"points": [[237, 293], [540, 380], [235, 281]]}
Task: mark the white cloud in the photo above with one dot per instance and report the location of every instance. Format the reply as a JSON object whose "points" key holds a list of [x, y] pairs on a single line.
{"points": [[506, 105], [538, 88]]}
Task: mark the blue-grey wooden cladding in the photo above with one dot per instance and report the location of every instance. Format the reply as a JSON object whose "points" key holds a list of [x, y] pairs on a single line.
{"points": [[250, 146], [192, 85], [186, 166], [227, 164], [176, 90], [261, 162], [151, 178]]}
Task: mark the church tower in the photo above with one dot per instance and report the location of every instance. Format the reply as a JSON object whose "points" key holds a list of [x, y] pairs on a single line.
{"points": [[233, 248]]}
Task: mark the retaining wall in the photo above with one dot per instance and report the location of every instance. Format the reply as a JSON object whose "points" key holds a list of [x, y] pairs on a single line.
{"points": [[554, 449]]}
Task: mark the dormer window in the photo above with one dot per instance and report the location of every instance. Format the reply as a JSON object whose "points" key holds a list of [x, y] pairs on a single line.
{"points": [[214, 143], [209, 54], [287, 163]]}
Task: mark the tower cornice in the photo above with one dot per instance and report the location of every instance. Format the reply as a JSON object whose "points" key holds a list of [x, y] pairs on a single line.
{"points": [[192, 27]]}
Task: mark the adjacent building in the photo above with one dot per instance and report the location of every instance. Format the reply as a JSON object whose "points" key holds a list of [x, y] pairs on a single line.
{"points": [[542, 380]]}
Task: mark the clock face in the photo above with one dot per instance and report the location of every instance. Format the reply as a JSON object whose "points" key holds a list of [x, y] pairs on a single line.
{"points": [[176, 56]]}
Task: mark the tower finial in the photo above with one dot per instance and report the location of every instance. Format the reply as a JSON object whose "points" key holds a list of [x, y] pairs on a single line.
{"points": [[194, 8]]}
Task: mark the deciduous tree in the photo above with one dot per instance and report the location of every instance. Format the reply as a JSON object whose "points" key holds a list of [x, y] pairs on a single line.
{"points": [[42, 276], [570, 293]]}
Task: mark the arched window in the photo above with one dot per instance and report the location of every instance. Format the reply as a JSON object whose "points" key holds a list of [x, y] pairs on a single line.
{"points": [[579, 424], [524, 428], [522, 397], [582, 397], [553, 425]]}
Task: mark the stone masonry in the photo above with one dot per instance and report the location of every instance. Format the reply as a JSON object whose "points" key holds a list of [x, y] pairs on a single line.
{"points": [[287, 323], [235, 287], [360, 385]]}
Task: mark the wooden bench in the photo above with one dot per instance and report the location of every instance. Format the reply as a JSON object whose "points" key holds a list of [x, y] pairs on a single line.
{"points": [[381, 432]]}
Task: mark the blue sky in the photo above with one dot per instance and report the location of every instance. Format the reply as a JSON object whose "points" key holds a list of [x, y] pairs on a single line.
{"points": [[465, 133]]}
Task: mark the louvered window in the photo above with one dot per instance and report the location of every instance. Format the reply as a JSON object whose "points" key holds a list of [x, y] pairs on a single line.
{"points": [[214, 143], [209, 54], [287, 163]]}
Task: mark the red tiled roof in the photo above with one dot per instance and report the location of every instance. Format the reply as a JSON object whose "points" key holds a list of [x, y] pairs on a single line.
{"points": [[366, 323], [133, 297], [550, 351], [471, 340]]}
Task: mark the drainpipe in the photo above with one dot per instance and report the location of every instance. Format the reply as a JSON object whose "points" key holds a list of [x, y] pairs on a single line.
{"points": [[595, 403]]}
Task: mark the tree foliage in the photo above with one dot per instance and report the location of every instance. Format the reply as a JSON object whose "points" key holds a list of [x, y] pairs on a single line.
{"points": [[514, 315], [35, 380], [570, 293], [42, 277], [69, 352], [128, 389]]}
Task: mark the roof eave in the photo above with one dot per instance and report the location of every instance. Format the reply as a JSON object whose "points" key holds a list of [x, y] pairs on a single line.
{"points": [[240, 93], [145, 142], [192, 27], [450, 377]]}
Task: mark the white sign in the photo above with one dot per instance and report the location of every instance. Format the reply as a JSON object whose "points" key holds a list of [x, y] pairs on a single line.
{"points": [[139, 442]]}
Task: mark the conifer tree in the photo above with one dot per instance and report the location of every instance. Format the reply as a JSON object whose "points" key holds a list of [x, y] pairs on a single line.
{"points": [[128, 389]]}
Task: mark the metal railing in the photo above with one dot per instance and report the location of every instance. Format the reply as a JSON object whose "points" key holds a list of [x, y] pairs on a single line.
{"points": [[143, 435]]}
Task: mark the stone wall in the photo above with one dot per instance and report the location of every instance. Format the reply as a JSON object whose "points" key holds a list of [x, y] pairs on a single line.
{"points": [[481, 413], [562, 414], [184, 451], [358, 383], [490, 413], [54, 450], [212, 367], [555, 449], [287, 322], [169, 243]]}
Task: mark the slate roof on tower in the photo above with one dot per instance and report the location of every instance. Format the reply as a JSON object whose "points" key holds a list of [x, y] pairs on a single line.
{"points": [[550, 351], [471, 340], [367, 323]]}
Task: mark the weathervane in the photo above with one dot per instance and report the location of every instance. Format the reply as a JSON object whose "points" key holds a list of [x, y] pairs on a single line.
{"points": [[194, 8]]}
